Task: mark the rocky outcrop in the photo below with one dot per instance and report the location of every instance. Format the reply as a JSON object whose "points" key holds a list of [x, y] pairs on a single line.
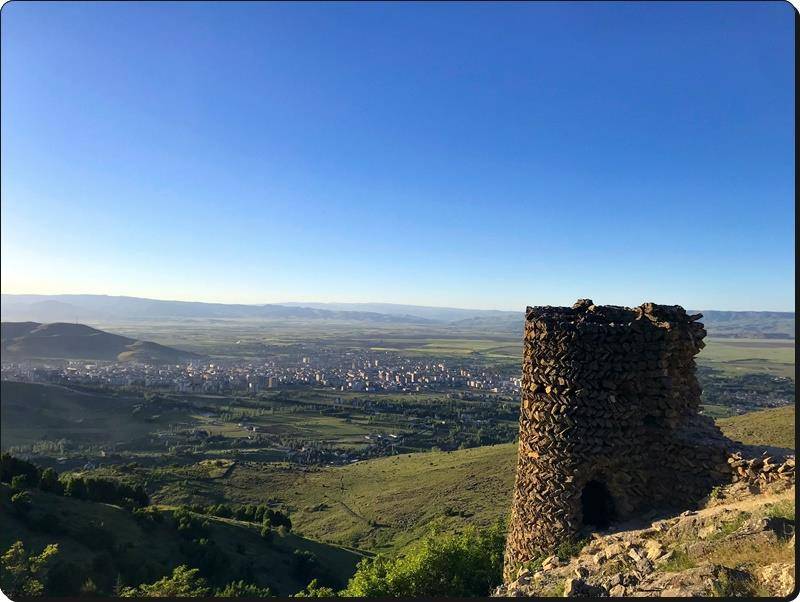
{"points": [[609, 425], [743, 545]]}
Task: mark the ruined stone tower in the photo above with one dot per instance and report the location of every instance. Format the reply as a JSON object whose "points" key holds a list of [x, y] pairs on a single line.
{"points": [[609, 424]]}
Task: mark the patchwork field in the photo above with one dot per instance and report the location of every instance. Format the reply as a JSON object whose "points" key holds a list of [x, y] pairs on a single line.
{"points": [[742, 356]]}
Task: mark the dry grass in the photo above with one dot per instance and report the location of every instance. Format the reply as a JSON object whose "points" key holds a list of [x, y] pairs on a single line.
{"points": [[749, 553]]}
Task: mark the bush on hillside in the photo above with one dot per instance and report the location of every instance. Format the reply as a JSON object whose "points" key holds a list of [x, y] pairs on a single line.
{"points": [[21, 502], [463, 565], [49, 482], [182, 583], [304, 564], [21, 574], [103, 490], [242, 589], [11, 467], [188, 524], [315, 590]]}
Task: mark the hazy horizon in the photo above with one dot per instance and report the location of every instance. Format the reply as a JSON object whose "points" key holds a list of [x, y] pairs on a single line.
{"points": [[487, 156], [300, 302]]}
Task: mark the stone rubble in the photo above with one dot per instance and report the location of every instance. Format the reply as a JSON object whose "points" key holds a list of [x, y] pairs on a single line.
{"points": [[760, 471], [632, 562]]}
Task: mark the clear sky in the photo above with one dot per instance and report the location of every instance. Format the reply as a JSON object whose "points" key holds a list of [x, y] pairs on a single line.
{"points": [[472, 155]]}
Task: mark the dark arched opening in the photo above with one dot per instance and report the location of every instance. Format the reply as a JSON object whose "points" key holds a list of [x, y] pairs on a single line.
{"points": [[597, 505]]}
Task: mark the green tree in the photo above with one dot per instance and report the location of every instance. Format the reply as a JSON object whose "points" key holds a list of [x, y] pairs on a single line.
{"points": [[242, 589], [182, 583], [21, 502], [19, 482], [49, 482], [463, 565], [22, 574], [315, 590], [11, 466], [74, 486]]}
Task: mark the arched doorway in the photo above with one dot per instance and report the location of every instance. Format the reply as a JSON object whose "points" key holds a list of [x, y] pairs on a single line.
{"points": [[597, 505]]}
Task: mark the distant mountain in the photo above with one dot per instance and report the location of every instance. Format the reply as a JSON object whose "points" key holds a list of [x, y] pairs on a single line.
{"points": [[749, 324], [438, 314], [97, 308], [31, 340], [108, 309]]}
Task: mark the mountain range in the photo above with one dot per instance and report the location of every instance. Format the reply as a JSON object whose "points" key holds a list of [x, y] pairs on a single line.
{"points": [[107, 309], [29, 340]]}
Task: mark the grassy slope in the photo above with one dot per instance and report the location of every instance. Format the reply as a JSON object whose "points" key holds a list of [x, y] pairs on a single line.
{"points": [[375, 505], [383, 504], [766, 427], [31, 412], [160, 548]]}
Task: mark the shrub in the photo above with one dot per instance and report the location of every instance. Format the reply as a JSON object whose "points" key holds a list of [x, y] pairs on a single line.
{"points": [[782, 509], [74, 486], [730, 526], [188, 524], [276, 518], [736, 584], [148, 517], [679, 561], [49, 482], [241, 589], [568, 548], [463, 565], [212, 562], [183, 583], [19, 482], [304, 564], [315, 590], [11, 467], [21, 502], [22, 574]]}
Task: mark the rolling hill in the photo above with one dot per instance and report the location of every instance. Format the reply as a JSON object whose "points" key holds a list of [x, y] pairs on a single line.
{"points": [[112, 309], [146, 550], [94, 308], [60, 340]]}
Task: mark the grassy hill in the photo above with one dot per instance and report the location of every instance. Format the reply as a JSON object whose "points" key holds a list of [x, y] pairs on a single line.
{"points": [[384, 504], [145, 551], [32, 412], [767, 427], [31, 340]]}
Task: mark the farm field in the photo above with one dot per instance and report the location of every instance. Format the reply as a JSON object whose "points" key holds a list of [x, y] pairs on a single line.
{"points": [[306, 426], [743, 356]]}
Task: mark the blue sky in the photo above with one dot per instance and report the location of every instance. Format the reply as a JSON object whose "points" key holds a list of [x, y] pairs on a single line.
{"points": [[473, 155]]}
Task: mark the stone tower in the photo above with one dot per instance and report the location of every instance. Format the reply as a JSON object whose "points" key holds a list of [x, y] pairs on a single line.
{"points": [[609, 424]]}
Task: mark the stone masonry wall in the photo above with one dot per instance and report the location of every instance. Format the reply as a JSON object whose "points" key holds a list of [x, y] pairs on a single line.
{"points": [[609, 421]]}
